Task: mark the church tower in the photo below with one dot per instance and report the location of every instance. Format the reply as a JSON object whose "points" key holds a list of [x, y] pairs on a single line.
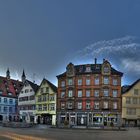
{"points": [[8, 74], [23, 77]]}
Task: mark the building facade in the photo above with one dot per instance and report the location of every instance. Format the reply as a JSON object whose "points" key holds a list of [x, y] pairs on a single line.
{"points": [[46, 103], [131, 105], [9, 90], [89, 95], [26, 101]]}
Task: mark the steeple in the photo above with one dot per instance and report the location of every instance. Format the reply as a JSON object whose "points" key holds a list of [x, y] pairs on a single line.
{"points": [[8, 74], [23, 77]]}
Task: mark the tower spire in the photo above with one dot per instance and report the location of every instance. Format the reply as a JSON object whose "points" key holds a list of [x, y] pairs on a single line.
{"points": [[23, 77], [8, 73]]}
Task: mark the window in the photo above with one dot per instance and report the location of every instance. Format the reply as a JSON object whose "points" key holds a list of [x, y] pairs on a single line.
{"points": [[0, 92], [128, 100], [39, 98], [79, 93], [87, 81], [52, 107], [114, 105], [96, 105], [39, 107], [32, 107], [106, 69], [11, 101], [96, 93], [10, 109], [44, 107], [70, 82], [0, 99], [88, 69], [115, 82], [106, 92], [96, 81], [0, 109], [31, 90], [47, 89], [51, 97], [22, 91], [5, 100], [87, 93], [115, 92], [26, 90], [41, 90], [105, 105], [69, 105], [79, 105], [136, 92], [32, 97], [62, 83], [131, 111], [62, 94], [106, 80], [87, 105], [62, 105], [9, 93], [79, 82], [134, 100], [44, 98], [70, 93], [5, 109]]}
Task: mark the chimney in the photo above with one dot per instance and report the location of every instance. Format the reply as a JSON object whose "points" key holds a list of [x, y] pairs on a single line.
{"points": [[95, 61]]}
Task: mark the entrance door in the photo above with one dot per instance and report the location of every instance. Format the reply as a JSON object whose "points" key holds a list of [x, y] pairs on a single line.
{"points": [[38, 119], [82, 121], [1, 118], [105, 121]]}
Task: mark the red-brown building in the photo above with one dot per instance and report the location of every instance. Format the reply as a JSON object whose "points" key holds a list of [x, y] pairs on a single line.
{"points": [[89, 95]]}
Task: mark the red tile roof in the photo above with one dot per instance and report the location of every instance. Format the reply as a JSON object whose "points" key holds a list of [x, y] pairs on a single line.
{"points": [[10, 86]]}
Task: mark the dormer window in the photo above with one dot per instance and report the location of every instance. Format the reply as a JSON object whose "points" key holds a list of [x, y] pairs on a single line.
{"points": [[9, 93], [88, 69], [106, 69]]}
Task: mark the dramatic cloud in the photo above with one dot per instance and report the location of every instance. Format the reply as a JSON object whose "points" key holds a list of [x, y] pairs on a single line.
{"points": [[124, 53]]}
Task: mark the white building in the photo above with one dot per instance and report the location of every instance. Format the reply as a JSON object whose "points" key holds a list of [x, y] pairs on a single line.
{"points": [[26, 101]]}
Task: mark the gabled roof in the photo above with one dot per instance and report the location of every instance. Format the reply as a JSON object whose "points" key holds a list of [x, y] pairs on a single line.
{"points": [[129, 87], [95, 69], [10, 86], [52, 86], [33, 85]]}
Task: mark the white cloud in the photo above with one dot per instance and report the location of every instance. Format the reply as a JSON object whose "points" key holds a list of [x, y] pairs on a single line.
{"points": [[120, 45], [124, 52], [131, 65]]}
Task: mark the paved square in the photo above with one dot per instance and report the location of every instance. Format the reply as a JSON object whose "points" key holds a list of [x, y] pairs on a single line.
{"points": [[66, 134]]}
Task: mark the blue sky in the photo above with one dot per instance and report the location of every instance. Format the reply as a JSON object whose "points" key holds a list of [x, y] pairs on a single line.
{"points": [[43, 36]]}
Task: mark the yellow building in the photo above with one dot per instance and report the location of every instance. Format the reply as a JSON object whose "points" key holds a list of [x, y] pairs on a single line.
{"points": [[131, 105], [46, 103]]}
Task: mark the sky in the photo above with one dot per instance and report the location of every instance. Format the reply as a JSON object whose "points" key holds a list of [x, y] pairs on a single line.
{"points": [[43, 36]]}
